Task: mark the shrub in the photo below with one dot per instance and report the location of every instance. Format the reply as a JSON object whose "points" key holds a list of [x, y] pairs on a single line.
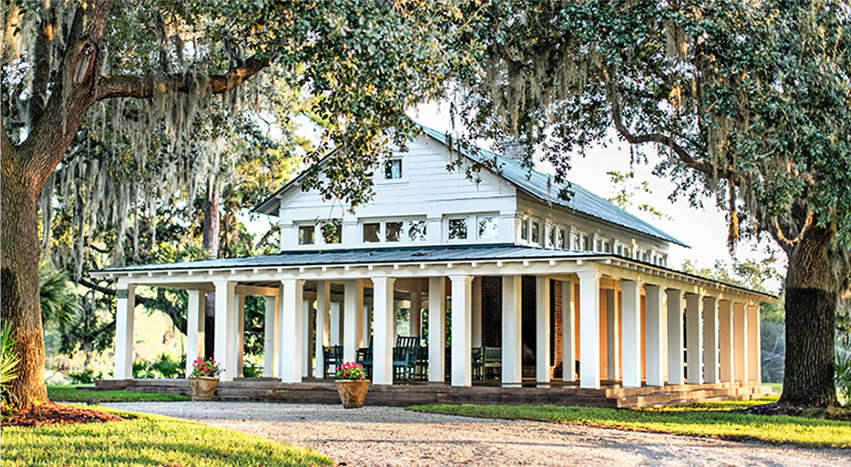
{"points": [[85, 376], [843, 376], [250, 370], [8, 362]]}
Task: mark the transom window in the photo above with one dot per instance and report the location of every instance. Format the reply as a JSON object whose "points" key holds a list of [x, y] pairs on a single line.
{"points": [[488, 226], [393, 169]]}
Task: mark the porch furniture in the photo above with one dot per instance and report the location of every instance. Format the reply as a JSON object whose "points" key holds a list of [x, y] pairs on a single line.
{"points": [[365, 358], [405, 356], [333, 357], [485, 358], [422, 364]]}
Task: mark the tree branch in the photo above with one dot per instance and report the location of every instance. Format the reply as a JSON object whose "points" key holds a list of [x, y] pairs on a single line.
{"points": [[146, 86]]}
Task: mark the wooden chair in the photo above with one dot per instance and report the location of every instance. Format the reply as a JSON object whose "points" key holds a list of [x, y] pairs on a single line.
{"points": [[333, 357], [405, 356], [485, 358], [365, 358]]}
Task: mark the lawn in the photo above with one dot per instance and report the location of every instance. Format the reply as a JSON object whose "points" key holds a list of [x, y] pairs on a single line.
{"points": [[706, 420], [145, 440], [72, 394]]}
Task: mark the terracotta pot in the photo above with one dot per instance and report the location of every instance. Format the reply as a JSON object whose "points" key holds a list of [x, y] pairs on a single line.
{"points": [[201, 388], [352, 392]]}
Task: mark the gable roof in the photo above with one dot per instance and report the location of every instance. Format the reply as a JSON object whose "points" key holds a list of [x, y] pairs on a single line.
{"points": [[535, 184]]}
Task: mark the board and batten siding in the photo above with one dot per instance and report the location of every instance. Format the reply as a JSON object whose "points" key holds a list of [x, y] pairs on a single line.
{"points": [[427, 190]]}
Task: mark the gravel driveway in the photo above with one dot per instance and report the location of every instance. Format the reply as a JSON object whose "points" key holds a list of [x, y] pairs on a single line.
{"points": [[384, 436]]}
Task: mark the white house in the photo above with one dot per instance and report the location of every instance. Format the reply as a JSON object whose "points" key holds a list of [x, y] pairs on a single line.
{"points": [[548, 281]]}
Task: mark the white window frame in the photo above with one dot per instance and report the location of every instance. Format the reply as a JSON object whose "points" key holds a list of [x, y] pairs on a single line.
{"points": [[298, 226], [495, 216], [382, 230], [457, 217], [383, 167]]}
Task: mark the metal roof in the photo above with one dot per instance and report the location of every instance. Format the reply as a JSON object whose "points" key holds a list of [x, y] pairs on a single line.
{"points": [[544, 187]]}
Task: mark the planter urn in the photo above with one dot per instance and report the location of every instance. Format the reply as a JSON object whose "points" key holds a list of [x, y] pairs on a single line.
{"points": [[201, 388], [352, 392]]}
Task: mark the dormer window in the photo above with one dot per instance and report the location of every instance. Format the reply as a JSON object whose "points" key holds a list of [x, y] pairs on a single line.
{"points": [[536, 232], [393, 169], [372, 232], [332, 232], [458, 229], [561, 235], [488, 227], [524, 229], [417, 231], [394, 231], [306, 234]]}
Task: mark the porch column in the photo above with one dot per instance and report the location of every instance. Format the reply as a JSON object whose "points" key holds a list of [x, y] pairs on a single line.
{"points": [[542, 329], [568, 332], [612, 331], [307, 338], [336, 325], [476, 312], [194, 328], [461, 330], [589, 329], [225, 329], [754, 351], [675, 337], [382, 356], [740, 342], [416, 307], [323, 302], [512, 322], [353, 319], [270, 338], [710, 339], [694, 332], [631, 333], [292, 291], [239, 336], [725, 332], [367, 326], [124, 317], [436, 329], [654, 359]]}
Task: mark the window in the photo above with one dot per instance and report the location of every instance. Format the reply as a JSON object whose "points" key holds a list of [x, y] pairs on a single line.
{"points": [[586, 244], [644, 256], [561, 238], [305, 234], [536, 232], [551, 237], [332, 231], [393, 169], [488, 227], [393, 231], [598, 245], [372, 232], [607, 247], [417, 231], [576, 242], [524, 229], [458, 229], [619, 249]]}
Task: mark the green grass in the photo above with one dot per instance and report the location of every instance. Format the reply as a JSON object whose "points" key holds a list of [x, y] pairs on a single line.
{"points": [[706, 420], [72, 394], [146, 440]]}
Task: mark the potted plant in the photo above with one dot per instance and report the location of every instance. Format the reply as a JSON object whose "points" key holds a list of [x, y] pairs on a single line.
{"points": [[204, 379], [351, 385]]}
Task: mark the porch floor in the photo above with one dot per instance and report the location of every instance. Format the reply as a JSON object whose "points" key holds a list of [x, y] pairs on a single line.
{"points": [[402, 394]]}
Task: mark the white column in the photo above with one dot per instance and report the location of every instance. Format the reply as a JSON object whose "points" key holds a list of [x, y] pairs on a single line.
{"points": [[740, 341], [476, 312], [382, 357], [654, 361], [353, 319], [631, 333], [542, 329], [436, 329], [336, 325], [270, 340], [416, 307], [194, 328], [694, 336], [225, 329], [323, 302], [291, 330], [124, 317], [754, 351], [589, 329], [676, 346], [461, 330], [568, 332], [612, 331], [367, 326], [710, 340], [239, 336], [306, 340], [725, 341], [512, 337]]}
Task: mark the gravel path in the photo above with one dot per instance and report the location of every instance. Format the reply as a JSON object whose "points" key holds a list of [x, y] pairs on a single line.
{"points": [[383, 436]]}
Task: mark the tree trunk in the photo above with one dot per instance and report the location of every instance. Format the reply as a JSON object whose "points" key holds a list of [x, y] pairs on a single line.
{"points": [[210, 242], [811, 300], [19, 302]]}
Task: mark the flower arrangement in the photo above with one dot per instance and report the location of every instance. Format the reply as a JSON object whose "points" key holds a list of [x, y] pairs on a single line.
{"points": [[351, 371], [209, 368]]}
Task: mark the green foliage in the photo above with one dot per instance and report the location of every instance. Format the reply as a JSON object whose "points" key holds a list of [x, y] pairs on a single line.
{"points": [[351, 370], [163, 367], [58, 393], [251, 370], [716, 420], [843, 376], [626, 188], [207, 367], [9, 359], [147, 440], [56, 294], [85, 376]]}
